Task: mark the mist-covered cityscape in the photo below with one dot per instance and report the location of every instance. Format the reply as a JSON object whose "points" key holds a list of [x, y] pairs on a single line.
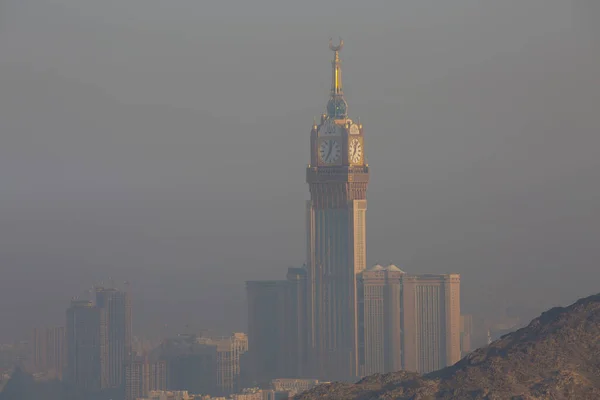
{"points": [[204, 201]]}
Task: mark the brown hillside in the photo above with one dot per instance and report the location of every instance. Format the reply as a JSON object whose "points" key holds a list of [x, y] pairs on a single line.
{"points": [[556, 357]]}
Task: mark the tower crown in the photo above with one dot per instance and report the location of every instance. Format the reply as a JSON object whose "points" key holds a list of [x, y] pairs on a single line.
{"points": [[337, 108]]}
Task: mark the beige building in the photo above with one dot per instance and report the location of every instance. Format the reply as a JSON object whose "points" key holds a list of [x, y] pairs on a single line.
{"points": [[293, 386], [337, 175], [169, 395], [143, 376], [410, 322], [229, 351], [431, 321], [381, 304]]}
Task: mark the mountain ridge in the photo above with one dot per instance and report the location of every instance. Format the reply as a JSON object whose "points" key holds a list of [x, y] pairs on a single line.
{"points": [[555, 357]]}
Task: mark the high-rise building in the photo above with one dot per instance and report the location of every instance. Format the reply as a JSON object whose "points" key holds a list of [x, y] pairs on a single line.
{"points": [[277, 328], [336, 235], [294, 351], [293, 386], [191, 365], [266, 328], [229, 351], [466, 334], [431, 321], [49, 351], [380, 297], [143, 375], [117, 307], [86, 338]]}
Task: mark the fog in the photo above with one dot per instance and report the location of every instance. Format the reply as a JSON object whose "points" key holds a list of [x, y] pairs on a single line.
{"points": [[164, 143]]}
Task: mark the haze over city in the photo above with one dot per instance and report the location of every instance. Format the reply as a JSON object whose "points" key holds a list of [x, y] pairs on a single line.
{"points": [[165, 143]]}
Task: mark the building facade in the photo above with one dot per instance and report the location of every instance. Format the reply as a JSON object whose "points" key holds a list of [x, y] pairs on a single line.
{"points": [[380, 297], [266, 329], [336, 235], [431, 321], [228, 353], [49, 351], [191, 366], [86, 338], [117, 309], [143, 375], [277, 328]]}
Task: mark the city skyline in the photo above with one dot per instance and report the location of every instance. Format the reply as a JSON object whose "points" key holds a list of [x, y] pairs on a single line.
{"points": [[476, 151]]}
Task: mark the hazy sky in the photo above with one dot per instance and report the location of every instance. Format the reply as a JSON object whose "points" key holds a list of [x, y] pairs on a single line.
{"points": [[164, 142]]}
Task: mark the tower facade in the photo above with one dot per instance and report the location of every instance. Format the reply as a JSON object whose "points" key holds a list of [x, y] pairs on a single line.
{"points": [[380, 297], [431, 321], [86, 338], [117, 308], [336, 235], [49, 351]]}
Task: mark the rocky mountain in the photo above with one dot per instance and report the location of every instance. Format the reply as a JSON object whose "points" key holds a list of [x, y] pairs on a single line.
{"points": [[555, 357]]}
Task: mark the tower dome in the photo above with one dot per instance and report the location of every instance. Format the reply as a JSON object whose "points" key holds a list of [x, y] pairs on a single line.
{"points": [[392, 267], [337, 108]]}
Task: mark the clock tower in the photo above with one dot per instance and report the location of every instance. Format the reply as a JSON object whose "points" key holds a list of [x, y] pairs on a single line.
{"points": [[336, 236]]}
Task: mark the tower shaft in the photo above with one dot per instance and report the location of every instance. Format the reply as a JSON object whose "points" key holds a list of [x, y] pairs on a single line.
{"points": [[336, 237]]}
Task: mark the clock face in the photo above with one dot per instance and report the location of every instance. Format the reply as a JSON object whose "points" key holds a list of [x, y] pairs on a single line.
{"points": [[354, 129], [355, 151], [329, 128], [330, 151]]}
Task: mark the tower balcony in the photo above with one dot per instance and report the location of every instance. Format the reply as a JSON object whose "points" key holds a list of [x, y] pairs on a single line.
{"points": [[337, 174]]}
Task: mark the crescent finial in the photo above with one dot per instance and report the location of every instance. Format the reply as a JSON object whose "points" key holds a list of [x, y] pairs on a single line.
{"points": [[336, 48]]}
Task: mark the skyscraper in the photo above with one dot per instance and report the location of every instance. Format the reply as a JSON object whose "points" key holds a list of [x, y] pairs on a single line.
{"points": [[143, 375], [294, 349], [336, 235], [277, 327], [49, 351], [86, 338], [431, 321], [380, 298], [190, 365], [229, 351], [266, 330], [117, 308]]}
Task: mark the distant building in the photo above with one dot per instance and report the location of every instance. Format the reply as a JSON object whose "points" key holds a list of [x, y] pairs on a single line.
{"points": [[293, 386], [143, 376], [338, 175], [249, 394], [204, 364], [191, 366], [49, 351], [466, 334], [169, 395], [277, 327], [229, 351], [86, 338], [409, 322], [380, 297], [295, 342], [117, 352], [430, 321]]}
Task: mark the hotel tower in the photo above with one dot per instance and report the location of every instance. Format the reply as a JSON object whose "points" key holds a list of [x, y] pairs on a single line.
{"points": [[336, 244]]}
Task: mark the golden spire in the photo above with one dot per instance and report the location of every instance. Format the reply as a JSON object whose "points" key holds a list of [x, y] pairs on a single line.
{"points": [[337, 107], [336, 81]]}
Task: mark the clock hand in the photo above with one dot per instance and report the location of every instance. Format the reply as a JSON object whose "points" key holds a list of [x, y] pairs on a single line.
{"points": [[330, 148]]}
